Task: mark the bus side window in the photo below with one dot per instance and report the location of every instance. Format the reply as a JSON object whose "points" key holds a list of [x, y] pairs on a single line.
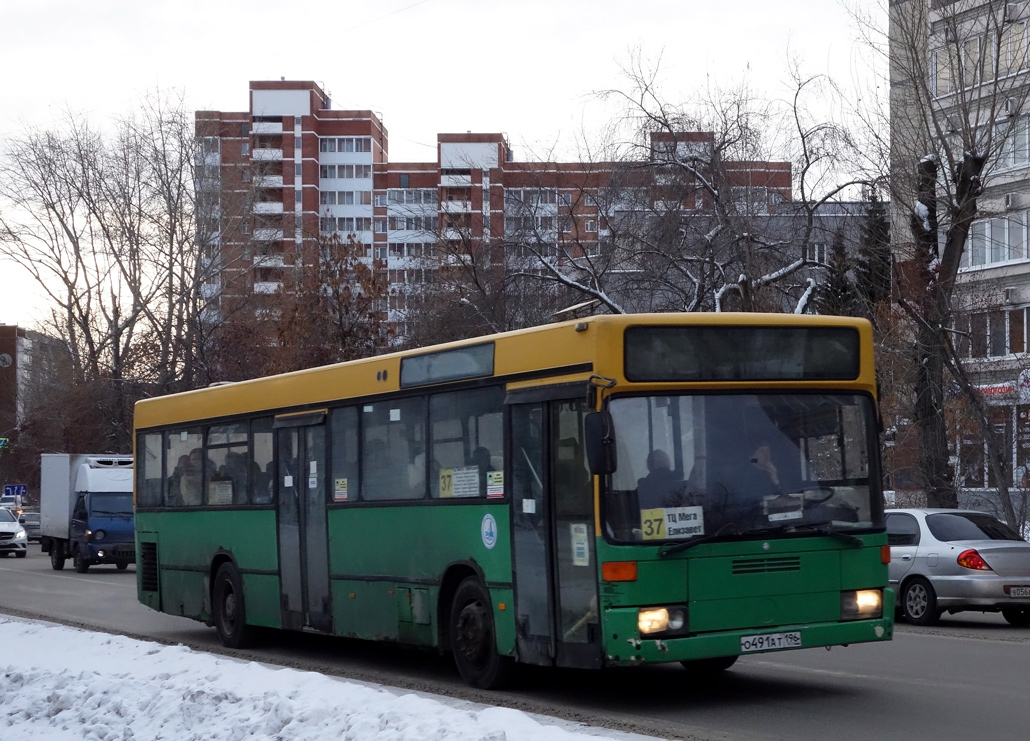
{"points": [[344, 457], [261, 461], [392, 434]]}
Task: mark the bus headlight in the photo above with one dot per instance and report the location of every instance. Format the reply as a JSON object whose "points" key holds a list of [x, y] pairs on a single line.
{"points": [[661, 620], [861, 604]]}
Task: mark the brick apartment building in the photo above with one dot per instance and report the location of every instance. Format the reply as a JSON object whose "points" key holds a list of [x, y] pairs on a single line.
{"points": [[292, 171]]}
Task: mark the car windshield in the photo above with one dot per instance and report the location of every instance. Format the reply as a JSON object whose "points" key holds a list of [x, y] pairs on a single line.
{"points": [[723, 465], [951, 526], [7, 516], [104, 503]]}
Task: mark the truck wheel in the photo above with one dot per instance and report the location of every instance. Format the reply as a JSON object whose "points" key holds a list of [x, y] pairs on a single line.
{"points": [[230, 613], [81, 564], [56, 556]]}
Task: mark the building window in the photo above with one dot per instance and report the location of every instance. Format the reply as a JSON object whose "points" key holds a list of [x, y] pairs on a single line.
{"points": [[245, 149], [380, 226], [327, 145], [245, 175], [997, 240], [380, 200], [404, 180], [327, 171], [815, 252], [590, 225], [297, 172]]}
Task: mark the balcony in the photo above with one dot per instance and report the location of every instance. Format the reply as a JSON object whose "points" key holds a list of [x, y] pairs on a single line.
{"points": [[268, 181], [268, 207], [268, 261], [268, 235], [456, 181], [268, 286], [266, 155], [209, 290], [456, 207], [267, 127]]}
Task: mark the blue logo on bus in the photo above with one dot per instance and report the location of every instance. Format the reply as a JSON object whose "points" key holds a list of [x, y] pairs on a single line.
{"points": [[488, 529]]}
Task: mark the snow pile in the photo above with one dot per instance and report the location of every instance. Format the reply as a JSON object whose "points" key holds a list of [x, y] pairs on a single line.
{"points": [[63, 684]]}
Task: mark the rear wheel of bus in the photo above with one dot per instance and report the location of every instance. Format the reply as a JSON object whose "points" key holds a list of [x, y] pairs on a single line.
{"points": [[473, 638], [230, 613]]}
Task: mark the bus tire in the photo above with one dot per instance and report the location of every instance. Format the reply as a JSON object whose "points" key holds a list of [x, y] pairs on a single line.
{"points": [[56, 555], [229, 610], [919, 602], [80, 562], [473, 638], [707, 667]]}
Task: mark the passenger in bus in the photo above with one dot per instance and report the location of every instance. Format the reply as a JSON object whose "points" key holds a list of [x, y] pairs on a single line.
{"points": [[190, 484], [661, 486]]}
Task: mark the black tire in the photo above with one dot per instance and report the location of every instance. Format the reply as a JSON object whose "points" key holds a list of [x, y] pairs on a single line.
{"points": [[122, 565], [919, 602], [56, 556], [4, 553], [228, 608], [81, 565], [708, 667], [473, 638], [1017, 616], [21, 554]]}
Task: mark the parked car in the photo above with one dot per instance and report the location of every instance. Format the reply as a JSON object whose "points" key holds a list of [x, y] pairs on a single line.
{"points": [[12, 535], [31, 522], [949, 560]]}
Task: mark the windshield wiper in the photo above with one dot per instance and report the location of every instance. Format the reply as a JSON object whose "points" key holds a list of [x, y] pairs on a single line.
{"points": [[726, 531], [818, 528]]}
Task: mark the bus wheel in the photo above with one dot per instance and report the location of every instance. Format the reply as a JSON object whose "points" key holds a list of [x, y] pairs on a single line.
{"points": [[473, 639], [230, 614], [706, 667], [56, 556], [919, 602], [81, 564]]}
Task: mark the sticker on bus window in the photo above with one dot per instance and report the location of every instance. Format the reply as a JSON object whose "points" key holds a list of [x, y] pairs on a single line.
{"points": [[340, 490], [219, 492], [395, 415], [529, 506], [312, 482], [671, 523], [580, 544], [494, 484]]}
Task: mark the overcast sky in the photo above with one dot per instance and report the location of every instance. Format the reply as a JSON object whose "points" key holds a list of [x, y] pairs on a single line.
{"points": [[528, 68]]}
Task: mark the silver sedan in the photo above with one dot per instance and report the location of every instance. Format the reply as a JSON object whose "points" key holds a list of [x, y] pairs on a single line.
{"points": [[948, 560]]}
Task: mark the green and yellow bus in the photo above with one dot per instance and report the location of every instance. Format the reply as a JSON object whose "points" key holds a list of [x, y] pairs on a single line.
{"points": [[610, 491]]}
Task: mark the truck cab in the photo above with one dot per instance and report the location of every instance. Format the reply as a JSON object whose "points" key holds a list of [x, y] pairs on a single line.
{"points": [[102, 529]]}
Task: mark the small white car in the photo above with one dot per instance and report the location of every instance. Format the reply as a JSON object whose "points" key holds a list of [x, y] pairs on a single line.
{"points": [[13, 538], [949, 560]]}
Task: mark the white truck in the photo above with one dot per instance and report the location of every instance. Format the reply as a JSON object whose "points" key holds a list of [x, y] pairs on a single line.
{"points": [[85, 506]]}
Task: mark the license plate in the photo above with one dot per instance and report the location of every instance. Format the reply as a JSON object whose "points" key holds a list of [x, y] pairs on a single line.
{"points": [[1019, 591], [770, 641]]}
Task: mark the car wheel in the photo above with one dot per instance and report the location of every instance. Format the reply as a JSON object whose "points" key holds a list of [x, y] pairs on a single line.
{"points": [[4, 553], [81, 564], [1017, 616], [21, 554], [230, 613], [473, 638], [920, 602], [122, 565], [707, 667]]}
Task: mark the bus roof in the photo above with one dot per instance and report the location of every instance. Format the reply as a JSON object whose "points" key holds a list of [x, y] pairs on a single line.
{"points": [[569, 351]]}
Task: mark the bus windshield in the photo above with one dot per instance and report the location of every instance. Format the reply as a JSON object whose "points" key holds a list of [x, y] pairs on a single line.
{"points": [[691, 466]]}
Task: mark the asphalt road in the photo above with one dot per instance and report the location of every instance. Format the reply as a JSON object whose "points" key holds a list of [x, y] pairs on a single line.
{"points": [[968, 678]]}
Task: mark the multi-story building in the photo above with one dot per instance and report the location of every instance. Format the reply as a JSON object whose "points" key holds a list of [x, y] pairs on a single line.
{"points": [[291, 173], [959, 85]]}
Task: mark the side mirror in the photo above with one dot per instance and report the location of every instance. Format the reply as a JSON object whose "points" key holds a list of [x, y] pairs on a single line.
{"points": [[600, 443], [21, 520]]}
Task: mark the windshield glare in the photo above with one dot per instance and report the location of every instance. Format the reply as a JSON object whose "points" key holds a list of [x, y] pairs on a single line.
{"points": [[102, 503], [690, 466]]}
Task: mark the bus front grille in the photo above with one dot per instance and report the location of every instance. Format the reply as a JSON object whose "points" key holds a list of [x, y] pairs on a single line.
{"points": [[766, 565], [148, 567]]}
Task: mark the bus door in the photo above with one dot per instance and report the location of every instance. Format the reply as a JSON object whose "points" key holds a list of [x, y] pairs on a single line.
{"points": [[301, 505], [555, 570]]}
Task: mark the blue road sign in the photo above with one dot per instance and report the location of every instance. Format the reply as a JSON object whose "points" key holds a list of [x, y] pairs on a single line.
{"points": [[16, 490]]}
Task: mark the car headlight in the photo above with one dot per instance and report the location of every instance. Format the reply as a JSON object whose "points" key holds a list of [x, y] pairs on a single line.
{"points": [[19, 534], [99, 535], [861, 604], [661, 620]]}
